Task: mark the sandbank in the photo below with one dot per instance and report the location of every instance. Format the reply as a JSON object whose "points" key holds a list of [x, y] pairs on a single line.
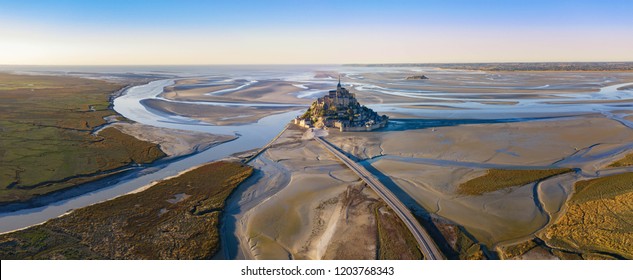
{"points": [[217, 115], [173, 142]]}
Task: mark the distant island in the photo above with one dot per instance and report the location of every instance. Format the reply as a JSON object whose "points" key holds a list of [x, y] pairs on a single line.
{"points": [[417, 77], [340, 109]]}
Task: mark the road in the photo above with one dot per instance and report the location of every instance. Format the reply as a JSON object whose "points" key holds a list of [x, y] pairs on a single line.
{"points": [[425, 243]]}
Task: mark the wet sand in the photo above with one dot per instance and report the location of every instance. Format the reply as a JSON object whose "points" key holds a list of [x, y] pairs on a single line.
{"points": [[216, 115], [173, 142], [252, 91], [388, 85], [446, 80], [300, 206], [184, 88], [626, 88], [473, 83], [428, 165]]}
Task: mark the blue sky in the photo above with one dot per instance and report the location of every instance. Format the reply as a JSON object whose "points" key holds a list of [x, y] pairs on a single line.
{"points": [[272, 32]]}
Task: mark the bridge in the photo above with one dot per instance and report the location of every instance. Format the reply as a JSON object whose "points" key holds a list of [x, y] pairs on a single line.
{"points": [[428, 248]]}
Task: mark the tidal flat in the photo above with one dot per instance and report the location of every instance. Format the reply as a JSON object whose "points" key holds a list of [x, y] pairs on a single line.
{"points": [[435, 168], [491, 132], [305, 205]]}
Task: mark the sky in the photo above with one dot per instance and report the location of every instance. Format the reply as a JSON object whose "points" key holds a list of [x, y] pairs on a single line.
{"points": [[188, 32]]}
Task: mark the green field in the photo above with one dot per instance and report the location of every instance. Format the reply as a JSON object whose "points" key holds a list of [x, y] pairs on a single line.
{"points": [[174, 219], [497, 179], [46, 140]]}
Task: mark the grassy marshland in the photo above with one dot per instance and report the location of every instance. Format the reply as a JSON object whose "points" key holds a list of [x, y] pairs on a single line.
{"points": [[624, 162], [175, 219], [598, 220], [46, 139], [497, 179]]}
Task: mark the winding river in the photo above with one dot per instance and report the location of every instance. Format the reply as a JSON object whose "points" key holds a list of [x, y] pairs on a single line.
{"points": [[257, 134], [251, 136]]}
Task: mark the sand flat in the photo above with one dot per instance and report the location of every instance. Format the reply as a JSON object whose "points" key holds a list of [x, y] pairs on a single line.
{"points": [[452, 155], [490, 218], [323, 210], [217, 115], [268, 91], [173, 142], [525, 143], [451, 81]]}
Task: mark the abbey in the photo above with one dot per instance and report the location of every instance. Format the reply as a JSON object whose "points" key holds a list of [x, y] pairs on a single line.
{"points": [[340, 109]]}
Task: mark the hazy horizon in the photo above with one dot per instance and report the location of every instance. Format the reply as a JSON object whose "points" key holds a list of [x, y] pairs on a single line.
{"points": [[313, 64], [118, 33]]}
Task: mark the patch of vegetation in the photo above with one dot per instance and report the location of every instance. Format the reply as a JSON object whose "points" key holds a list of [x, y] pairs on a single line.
{"points": [[43, 243], [624, 162], [602, 188], [566, 255], [453, 240], [598, 222], [516, 250], [498, 179], [519, 251], [174, 219], [395, 240], [46, 139]]}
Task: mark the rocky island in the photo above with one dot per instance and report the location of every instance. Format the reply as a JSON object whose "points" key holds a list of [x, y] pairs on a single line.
{"points": [[340, 109], [417, 77]]}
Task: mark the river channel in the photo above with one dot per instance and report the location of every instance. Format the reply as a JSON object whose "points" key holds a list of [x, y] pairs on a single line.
{"points": [[250, 136]]}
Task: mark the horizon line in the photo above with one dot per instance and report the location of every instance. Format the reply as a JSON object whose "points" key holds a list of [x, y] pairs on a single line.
{"points": [[330, 64]]}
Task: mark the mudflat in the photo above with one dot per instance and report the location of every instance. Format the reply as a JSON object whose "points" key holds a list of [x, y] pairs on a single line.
{"points": [[245, 91], [217, 115], [172, 142], [317, 210], [429, 165]]}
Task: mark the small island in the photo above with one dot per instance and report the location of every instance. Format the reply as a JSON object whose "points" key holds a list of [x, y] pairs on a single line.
{"points": [[417, 77], [340, 109]]}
